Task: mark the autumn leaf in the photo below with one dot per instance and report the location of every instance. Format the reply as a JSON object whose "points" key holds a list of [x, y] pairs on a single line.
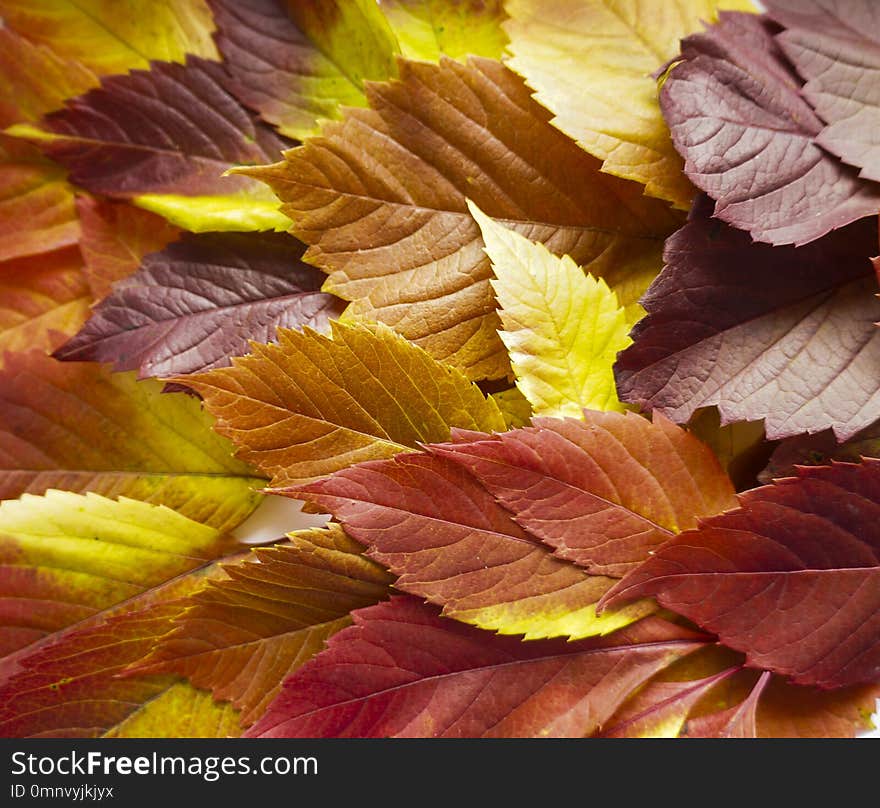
{"points": [[403, 671], [604, 491], [735, 112], [65, 556], [112, 37], [311, 404], [514, 407], [591, 63], [163, 138], [562, 328], [44, 299], [788, 578], [833, 46], [115, 238], [741, 446], [746, 327], [380, 197], [77, 427], [35, 80], [198, 302], [429, 29], [37, 210], [447, 540], [71, 684], [243, 635], [298, 62]]}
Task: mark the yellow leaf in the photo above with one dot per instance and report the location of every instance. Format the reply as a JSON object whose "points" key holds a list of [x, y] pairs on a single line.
{"points": [[311, 405], [591, 62], [562, 327]]}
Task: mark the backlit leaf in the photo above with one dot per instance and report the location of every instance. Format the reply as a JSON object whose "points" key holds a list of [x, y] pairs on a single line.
{"points": [[591, 63], [380, 197], [311, 404], [198, 302], [562, 328], [76, 426], [403, 671]]}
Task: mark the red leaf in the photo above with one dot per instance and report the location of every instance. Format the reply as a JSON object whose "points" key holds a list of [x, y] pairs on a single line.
{"points": [[404, 671], [791, 578]]}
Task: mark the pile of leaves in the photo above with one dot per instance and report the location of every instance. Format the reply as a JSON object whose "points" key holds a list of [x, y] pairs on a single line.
{"points": [[564, 312]]}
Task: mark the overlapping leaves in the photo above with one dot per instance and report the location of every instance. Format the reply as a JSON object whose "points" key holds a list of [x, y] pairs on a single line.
{"points": [[470, 178]]}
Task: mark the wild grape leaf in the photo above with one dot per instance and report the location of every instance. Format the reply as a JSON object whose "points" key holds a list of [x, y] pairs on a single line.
{"points": [[78, 427], [311, 404], [65, 556], [163, 138], [114, 37], [514, 407], [37, 211], [403, 671], [591, 63], [735, 112], [740, 446], [35, 80], [819, 450], [447, 540], [789, 578], [739, 721], [660, 709], [297, 63], [71, 685], [380, 197], [198, 302], [604, 491], [835, 47], [710, 694], [115, 238], [561, 327], [428, 29], [747, 327], [44, 299], [241, 637]]}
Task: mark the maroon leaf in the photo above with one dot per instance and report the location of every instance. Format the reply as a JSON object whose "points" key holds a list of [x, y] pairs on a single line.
{"points": [[172, 129], [740, 721], [404, 671], [199, 301], [781, 333], [791, 578], [835, 46], [736, 115]]}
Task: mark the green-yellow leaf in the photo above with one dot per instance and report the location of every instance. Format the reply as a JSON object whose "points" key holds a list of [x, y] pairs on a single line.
{"points": [[66, 556], [114, 36], [311, 405], [426, 29], [201, 214], [181, 711], [591, 62], [562, 327], [77, 426]]}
